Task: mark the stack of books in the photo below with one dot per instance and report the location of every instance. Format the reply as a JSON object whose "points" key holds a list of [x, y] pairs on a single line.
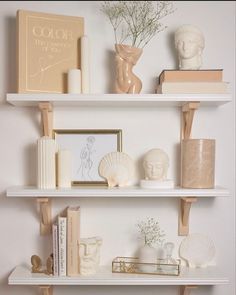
{"points": [[65, 237], [192, 81]]}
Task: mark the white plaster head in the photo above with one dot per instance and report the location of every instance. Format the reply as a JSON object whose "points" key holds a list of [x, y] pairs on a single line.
{"points": [[89, 253], [156, 163], [189, 42]]}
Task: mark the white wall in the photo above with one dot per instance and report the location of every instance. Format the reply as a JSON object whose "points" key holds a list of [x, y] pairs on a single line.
{"points": [[143, 129]]}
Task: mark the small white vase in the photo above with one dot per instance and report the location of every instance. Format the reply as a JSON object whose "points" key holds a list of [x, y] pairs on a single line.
{"points": [[147, 254]]}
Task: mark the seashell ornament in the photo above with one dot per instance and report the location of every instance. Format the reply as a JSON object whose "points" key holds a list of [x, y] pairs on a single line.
{"points": [[117, 168]]}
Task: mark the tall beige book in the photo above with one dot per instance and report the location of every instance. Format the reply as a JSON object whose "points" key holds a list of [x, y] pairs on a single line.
{"points": [[48, 46], [214, 75], [193, 87], [73, 236]]}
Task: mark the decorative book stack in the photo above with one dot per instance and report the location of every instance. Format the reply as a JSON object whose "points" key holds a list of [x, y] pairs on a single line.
{"points": [[65, 236], [192, 81]]}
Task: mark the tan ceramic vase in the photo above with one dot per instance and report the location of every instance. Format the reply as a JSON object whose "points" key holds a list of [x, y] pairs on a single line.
{"points": [[198, 163], [126, 58]]}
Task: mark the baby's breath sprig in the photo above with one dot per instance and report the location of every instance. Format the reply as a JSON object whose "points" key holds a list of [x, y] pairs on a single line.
{"points": [[151, 232]]}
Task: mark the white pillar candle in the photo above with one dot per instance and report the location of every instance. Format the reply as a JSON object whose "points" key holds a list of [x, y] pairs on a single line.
{"points": [[64, 168], [74, 81], [85, 65], [46, 158]]}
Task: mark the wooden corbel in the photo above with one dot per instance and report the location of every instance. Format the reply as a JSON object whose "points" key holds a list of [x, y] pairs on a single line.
{"points": [[47, 118], [185, 206], [45, 216], [46, 290], [186, 290], [188, 110]]}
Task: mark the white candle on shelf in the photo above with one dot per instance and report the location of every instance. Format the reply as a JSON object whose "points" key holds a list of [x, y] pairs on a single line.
{"points": [[74, 81], [64, 168], [46, 158], [85, 64]]}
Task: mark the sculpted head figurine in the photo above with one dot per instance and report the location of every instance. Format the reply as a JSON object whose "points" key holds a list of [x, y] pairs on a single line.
{"points": [[89, 253], [189, 42], [156, 163]]}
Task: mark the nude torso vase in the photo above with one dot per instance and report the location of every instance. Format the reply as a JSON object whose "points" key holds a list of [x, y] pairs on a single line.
{"points": [[126, 58]]}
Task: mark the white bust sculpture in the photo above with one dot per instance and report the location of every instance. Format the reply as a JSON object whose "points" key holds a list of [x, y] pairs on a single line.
{"points": [[156, 164], [89, 253], [189, 42]]}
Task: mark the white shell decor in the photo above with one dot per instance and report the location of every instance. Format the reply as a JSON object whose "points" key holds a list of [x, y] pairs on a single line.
{"points": [[197, 249], [117, 168]]}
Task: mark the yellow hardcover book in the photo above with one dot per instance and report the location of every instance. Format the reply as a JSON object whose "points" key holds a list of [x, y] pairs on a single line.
{"points": [[73, 235], [48, 46]]}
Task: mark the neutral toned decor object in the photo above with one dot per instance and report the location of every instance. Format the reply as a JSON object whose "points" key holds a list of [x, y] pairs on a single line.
{"points": [[117, 168], [85, 62], [47, 48], [155, 164], [89, 254], [74, 81], [198, 163], [198, 250], [126, 59], [169, 263], [189, 43], [152, 234], [132, 265], [64, 168], [36, 263], [87, 148], [134, 23], [46, 154]]}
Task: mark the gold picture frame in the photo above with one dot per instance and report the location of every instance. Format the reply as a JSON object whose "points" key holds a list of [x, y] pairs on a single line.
{"points": [[88, 146]]}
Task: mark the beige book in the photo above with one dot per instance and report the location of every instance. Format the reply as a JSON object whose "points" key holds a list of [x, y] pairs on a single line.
{"points": [[73, 236], [48, 46], [215, 75], [192, 87]]}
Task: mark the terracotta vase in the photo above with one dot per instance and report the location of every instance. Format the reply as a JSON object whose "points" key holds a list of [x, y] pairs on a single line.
{"points": [[126, 58], [198, 163]]}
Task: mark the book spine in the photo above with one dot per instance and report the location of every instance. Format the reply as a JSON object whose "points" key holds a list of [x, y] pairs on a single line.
{"points": [[55, 249], [73, 233], [62, 221]]}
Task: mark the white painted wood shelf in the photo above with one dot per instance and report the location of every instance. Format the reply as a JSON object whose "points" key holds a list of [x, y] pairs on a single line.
{"points": [[211, 275], [98, 192], [116, 100]]}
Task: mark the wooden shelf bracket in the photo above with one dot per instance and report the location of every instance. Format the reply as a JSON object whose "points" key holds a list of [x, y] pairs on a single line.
{"points": [[186, 290], [46, 290], [45, 216], [47, 118], [185, 206], [188, 110]]}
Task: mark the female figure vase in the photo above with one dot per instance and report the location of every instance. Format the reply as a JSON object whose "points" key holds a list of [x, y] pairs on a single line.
{"points": [[126, 58]]}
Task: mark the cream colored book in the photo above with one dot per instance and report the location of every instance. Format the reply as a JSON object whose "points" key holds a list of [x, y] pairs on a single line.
{"points": [[62, 229], [48, 46], [73, 236], [193, 87]]}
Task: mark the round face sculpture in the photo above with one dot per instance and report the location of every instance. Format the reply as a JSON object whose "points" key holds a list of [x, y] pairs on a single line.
{"points": [[156, 163], [189, 42], [89, 253]]}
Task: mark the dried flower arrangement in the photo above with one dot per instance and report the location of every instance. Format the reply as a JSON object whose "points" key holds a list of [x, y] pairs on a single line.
{"points": [[151, 232], [136, 22]]}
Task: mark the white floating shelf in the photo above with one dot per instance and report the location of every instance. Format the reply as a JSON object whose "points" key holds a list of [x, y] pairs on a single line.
{"points": [[98, 192], [205, 276], [116, 100]]}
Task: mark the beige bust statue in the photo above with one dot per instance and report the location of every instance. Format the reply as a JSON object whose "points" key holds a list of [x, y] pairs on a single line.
{"points": [[189, 42], [89, 253], [156, 163]]}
